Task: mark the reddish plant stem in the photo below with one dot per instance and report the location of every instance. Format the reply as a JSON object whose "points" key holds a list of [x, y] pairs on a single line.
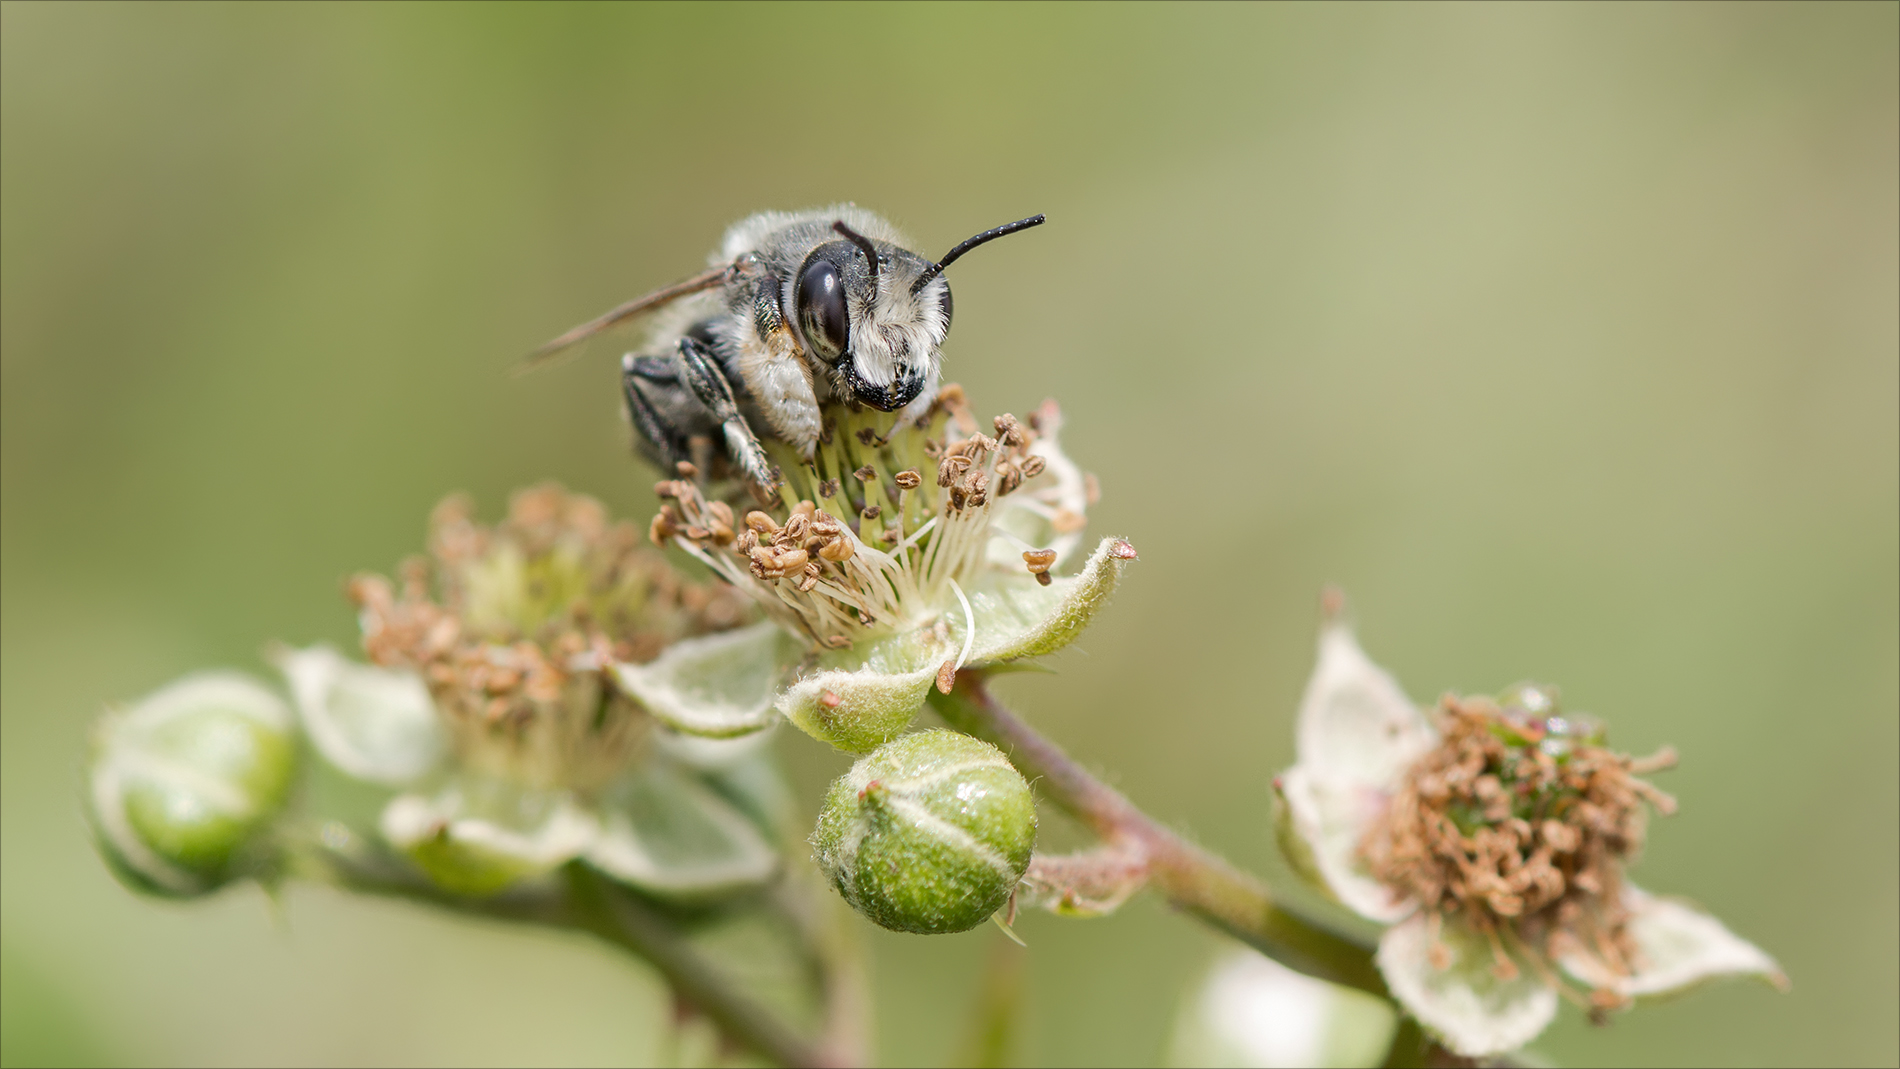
{"points": [[1192, 878]]}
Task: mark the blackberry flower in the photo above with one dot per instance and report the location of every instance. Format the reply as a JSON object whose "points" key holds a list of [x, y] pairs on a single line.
{"points": [[1492, 838], [489, 707], [906, 553]]}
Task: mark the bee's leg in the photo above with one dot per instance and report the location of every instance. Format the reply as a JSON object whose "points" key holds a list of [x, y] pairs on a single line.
{"points": [[699, 370], [662, 443]]}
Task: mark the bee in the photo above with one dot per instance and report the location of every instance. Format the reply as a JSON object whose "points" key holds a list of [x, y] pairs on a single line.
{"points": [[799, 309]]}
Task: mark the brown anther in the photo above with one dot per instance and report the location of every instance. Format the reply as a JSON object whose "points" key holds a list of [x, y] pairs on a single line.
{"points": [[659, 530], [721, 533], [946, 474], [761, 523], [666, 488], [697, 533], [865, 474], [871, 512], [867, 435], [888, 536], [828, 489], [946, 677], [797, 529], [824, 523], [747, 540], [791, 560], [1011, 477], [1039, 560], [837, 551], [807, 583], [687, 469], [1033, 466], [837, 642], [1043, 579], [804, 508], [908, 479], [959, 463]]}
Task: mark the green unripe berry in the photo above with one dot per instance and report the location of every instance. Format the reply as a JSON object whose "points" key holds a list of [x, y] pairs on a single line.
{"points": [[184, 782], [930, 833]]}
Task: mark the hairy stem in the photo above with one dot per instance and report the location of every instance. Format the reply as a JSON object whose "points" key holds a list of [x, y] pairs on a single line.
{"points": [[1192, 878]]}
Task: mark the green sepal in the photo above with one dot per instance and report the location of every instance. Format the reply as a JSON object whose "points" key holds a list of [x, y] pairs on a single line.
{"points": [[714, 686]]}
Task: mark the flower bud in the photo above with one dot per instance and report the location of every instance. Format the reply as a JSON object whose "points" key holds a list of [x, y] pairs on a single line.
{"points": [[184, 782], [930, 833]]}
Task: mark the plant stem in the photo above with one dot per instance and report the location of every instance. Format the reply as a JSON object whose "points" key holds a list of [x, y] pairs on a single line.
{"points": [[619, 917], [596, 905], [1192, 878]]}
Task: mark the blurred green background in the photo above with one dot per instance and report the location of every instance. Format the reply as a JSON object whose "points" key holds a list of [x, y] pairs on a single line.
{"points": [[1562, 337]]}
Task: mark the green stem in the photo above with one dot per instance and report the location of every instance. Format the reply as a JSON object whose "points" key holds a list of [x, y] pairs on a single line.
{"points": [[1192, 878]]}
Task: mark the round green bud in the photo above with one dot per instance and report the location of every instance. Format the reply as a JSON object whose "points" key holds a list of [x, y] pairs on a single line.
{"points": [[185, 781], [930, 833]]}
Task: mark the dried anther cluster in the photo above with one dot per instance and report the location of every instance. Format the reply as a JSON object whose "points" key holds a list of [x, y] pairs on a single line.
{"points": [[1521, 825], [510, 628], [869, 540]]}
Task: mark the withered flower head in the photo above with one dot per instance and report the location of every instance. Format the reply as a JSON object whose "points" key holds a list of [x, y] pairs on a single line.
{"points": [[491, 704], [902, 552], [510, 628], [1493, 840], [1520, 824]]}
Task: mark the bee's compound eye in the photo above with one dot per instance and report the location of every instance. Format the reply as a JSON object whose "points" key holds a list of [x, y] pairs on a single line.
{"points": [[821, 309]]}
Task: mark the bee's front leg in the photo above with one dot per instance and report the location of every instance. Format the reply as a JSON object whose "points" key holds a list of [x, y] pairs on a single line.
{"points": [[663, 442], [699, 370]]}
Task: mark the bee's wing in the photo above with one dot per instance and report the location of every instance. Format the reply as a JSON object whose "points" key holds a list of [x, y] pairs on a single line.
{"points": [[703, 281]]}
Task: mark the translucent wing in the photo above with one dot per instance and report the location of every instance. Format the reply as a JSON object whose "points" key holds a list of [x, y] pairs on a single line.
{"points": [[658, 298]]}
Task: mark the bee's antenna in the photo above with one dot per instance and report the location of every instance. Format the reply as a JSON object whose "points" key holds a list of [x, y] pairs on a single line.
{"points": [[864, 244], [970, 243]]}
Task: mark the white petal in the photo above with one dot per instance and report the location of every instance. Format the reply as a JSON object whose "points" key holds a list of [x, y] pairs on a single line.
{"points": [[476, 837], [1253, 1011], [1476, 1014], [1331, 821], [377, 724], [1020, 618], [1356, 727], [1678, 947], [668, 833], [718, 686]]}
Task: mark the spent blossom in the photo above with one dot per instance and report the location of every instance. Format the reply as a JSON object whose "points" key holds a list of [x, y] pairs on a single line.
{"points": [[489, 705], [1492, 838], [906, 552]]}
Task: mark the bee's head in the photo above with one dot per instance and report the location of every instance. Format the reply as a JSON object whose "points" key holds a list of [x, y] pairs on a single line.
{"points": [[877, 314]]}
